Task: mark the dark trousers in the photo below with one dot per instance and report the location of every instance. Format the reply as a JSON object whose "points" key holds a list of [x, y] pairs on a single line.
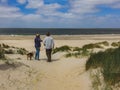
{"points": [[48, 54]]}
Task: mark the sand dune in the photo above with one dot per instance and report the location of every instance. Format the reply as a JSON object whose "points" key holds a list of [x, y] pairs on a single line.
{"points": [[61, 74]]}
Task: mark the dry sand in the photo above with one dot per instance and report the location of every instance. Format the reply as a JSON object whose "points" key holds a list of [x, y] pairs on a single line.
{"points": [[61, 74]]}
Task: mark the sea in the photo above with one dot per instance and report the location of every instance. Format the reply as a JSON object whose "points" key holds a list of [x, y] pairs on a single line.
{"points": [[58, 31]]}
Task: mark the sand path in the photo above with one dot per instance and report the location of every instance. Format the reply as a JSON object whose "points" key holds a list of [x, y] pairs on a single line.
{"points": [[61, 75]]}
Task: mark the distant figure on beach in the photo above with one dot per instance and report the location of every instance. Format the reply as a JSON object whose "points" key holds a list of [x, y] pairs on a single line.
{"points": [[37, 41], [49, 45]]}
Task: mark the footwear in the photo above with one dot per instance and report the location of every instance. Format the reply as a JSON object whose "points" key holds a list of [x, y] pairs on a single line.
{"points": [[49, 61]]}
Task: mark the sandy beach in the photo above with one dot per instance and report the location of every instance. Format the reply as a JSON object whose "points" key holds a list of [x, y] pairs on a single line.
{"points": [[61, 74]]}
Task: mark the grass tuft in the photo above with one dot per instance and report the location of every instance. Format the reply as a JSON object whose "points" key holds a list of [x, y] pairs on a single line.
{"points": [[2, 53], [61, 49], [22, 51], [92, 46], [109, 61], [115, 44]]}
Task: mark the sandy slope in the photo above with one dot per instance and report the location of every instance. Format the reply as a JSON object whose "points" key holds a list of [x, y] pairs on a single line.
{"points": [[61, 74], [40, 75]]}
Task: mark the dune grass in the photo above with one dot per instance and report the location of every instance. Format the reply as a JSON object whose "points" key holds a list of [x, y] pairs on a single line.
{"points": [[105, 43], [77, 52], [5, 46], [6, 49], [109, 62], [115, 44], [2, 53], [22, 51], [61, 49], [92, 46]]}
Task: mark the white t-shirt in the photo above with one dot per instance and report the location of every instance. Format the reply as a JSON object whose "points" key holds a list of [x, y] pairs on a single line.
{"points": [[48, 42]]}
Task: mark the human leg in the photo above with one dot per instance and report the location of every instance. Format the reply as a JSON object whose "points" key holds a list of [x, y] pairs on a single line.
{"points": [[37, 53], [48, 53]]}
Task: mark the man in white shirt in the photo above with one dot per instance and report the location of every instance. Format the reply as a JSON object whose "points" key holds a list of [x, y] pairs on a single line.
{"points": [[49, 45]]}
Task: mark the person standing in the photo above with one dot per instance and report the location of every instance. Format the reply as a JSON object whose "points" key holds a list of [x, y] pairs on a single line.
{"points": [[37, 42], [49, 45]]}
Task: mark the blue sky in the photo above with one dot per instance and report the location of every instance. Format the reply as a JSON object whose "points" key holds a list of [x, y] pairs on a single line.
{"points": [[60, 13]]}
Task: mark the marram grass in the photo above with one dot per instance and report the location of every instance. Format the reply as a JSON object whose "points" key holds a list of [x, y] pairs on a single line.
{"points": [[109, 62]]}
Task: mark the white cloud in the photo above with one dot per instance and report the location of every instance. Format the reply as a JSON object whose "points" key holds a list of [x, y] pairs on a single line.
{"points": [[35, 3], [49, 10], [22, 1], [6, 11], [47, 15], [89, 6]]}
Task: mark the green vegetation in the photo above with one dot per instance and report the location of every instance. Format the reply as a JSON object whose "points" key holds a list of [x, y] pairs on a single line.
{"points": [[6, 49], [62, 49], [22, 51], [115, 44], [2, 56], [109, 62], [96, 45], [105, 43], [92, 46], [77, 49], [9, 51], [77, 52], [5, 46]]}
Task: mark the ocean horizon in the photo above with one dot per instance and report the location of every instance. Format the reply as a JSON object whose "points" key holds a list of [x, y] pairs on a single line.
{"points": [[58, 31]]}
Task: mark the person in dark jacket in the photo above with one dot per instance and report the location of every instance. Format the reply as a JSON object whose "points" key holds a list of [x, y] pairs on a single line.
{"points": [[37, 41]]}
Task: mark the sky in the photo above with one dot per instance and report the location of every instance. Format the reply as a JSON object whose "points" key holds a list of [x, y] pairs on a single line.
{"points": [[59, 13]]}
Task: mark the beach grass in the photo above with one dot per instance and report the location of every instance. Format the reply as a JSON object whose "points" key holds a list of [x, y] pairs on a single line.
{"points": [[92, 46], [2, 53], [115, 44], [64, 48], [105, 43], [6, 49], [109, 62], [22, 51]]}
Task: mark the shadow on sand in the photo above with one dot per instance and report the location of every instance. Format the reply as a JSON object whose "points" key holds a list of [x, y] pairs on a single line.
{"points": [[53, 60], [6, 65]]}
